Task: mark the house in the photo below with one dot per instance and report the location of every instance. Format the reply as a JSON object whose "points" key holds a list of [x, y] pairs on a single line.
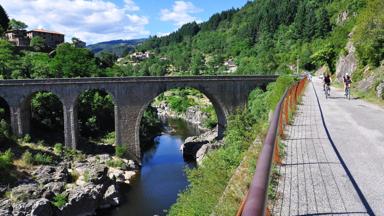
{"points": [[18, 38], [230, 65], [140, 56], [22, 38], [51, 39]]}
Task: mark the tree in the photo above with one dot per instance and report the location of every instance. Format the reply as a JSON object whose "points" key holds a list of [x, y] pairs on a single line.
{"points": [[323, 25], [37, 43], [70, 61], [106, 59], [17, 25], [7, 59], [4, 20]]}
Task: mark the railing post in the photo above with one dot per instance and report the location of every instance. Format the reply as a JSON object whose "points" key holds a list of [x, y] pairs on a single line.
{"points": [[276, 153]]}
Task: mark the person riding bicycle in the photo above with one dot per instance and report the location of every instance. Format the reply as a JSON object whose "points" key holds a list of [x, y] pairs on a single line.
{"points": [[347, 82], [326, 81]]}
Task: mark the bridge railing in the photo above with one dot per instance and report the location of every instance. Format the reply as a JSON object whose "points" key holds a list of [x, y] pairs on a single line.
{"points": [[255, 202]]}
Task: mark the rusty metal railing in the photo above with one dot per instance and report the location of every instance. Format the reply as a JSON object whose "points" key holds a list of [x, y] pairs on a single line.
{"points": [[255, 202]]}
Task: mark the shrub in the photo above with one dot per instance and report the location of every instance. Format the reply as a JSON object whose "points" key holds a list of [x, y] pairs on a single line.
{"points": [[58, 149], [27, 138], [116, 163], [42, 159], [6, 160], [86, 176], [121, 151], [27, 158], [60, 200], [74, 175]]}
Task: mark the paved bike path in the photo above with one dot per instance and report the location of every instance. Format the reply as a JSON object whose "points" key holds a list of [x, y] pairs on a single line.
{"points": [[334, 163], [357, 130]]}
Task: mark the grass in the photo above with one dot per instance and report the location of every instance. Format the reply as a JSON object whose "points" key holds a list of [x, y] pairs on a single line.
{"points": [[60, 200], [118, 163]]}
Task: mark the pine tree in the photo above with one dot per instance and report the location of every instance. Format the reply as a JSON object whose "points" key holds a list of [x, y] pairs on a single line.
{"points": [[323, 26], [4, 20]]}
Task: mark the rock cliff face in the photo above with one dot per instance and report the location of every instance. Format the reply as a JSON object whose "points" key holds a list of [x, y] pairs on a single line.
{"points": [[348, 63], [193, 114]]}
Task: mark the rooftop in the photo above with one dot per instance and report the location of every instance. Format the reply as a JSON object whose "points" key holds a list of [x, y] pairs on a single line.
{"points": [[45, 31]]}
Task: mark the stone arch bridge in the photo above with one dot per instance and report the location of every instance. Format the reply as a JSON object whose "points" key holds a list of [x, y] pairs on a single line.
{"points": [[131, 97]]}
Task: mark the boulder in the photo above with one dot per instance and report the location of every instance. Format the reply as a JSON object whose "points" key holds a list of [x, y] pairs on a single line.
{"points": [[380, 90], [111, 197], [42, 207], [95, 173], [120, 176], [83, 200], [26, 192], [46, 174], [23, 208], [197, 146], [6, 207], [53, 188]]}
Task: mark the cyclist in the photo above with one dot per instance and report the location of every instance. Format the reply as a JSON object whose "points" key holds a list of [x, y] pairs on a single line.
{"points": [[347, 82], [327, 83]]}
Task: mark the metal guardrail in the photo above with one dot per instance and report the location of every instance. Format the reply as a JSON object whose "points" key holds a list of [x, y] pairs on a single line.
{"points": [[255, 202]]}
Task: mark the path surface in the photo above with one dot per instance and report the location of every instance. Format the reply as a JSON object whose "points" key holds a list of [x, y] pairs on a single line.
{"points": [[335, 167]]}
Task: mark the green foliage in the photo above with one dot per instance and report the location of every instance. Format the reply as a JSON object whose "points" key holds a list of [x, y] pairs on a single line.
{"points": [[86, 176], [121, 151], [37, 43], [59, 200], [369, 34], [47, 111], [6, 160], [211, 121], [27, 138], [7, 59], [58, 149], [96, 113], [70, 61], [27, 158], [118, 163], [4, 20], [208, 181], [42, 159], [38, 159], [17, 25]]}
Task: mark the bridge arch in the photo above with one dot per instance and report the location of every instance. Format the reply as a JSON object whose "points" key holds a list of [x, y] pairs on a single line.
{"points": [[5, 110], [96, 103], [220, 111], [44, 112]]}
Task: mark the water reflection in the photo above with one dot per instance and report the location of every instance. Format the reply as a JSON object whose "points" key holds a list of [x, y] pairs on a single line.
{"points": [[162, 174]]}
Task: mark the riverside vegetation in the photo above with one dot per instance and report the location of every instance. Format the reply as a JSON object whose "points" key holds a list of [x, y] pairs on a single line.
{"points": [[258, 39]]}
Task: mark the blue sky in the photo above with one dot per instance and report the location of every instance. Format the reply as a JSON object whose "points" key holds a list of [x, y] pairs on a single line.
{"points": [[101, 20]]}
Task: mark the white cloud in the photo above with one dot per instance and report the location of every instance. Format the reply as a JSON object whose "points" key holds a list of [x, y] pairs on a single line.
{"points": [[130, 5], [90, 20], [181, 13]]}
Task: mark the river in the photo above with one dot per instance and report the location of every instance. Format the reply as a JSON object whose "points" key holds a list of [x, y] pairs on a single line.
{"points": [[161, 176]]}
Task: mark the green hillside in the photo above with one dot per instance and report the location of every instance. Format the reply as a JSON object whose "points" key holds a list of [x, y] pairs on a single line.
{"points": [[263, 37], [116, 47]]}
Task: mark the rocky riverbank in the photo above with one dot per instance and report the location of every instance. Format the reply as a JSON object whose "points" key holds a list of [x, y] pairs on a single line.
{"points": [[68, 188], [197, 147], [193, 115]]}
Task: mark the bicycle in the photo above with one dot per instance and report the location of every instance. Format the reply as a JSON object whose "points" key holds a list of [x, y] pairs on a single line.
{"points": [[327, 91], [348, 92]]}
